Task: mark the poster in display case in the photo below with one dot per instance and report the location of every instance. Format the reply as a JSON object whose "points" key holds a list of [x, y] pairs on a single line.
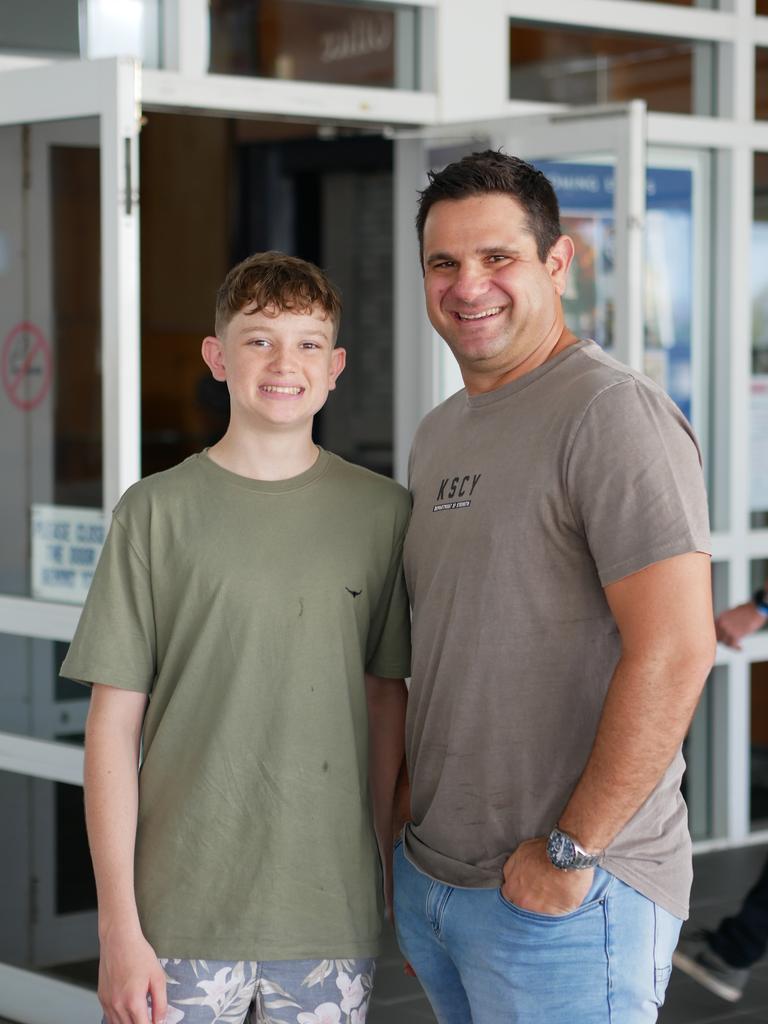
{"points": [[585, 194]]}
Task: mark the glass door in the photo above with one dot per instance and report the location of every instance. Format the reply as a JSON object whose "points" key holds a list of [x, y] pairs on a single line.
{"points": [[69, 423]]}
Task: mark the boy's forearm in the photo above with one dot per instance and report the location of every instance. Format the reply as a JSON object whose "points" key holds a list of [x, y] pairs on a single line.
{"points": [[113, 734], [387, 700]]}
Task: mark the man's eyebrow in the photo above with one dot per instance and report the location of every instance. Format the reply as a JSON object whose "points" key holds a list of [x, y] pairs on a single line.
{"points": [[437, 256]]}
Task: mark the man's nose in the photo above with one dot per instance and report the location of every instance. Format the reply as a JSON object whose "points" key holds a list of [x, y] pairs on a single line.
{"points": [[471, 282]]}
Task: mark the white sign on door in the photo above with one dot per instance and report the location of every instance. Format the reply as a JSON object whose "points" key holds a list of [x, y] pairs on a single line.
{"points": [[66, 543]]}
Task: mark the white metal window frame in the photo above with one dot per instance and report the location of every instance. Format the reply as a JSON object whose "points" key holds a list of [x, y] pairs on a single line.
{"points": [[185, 83]]}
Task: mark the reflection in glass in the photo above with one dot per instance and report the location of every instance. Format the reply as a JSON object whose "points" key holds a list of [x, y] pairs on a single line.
{"points": [[700, 761], [346, 42], [46, 27], [758, 790], [761, 83], [571, 65], [35, 701], [758, 577], [759, 383], [47, 899], [50, 328], [585, 193]]}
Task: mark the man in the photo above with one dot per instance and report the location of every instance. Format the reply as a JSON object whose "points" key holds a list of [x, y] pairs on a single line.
{"points": [[247, 628], [722, 960], [562, 626]]}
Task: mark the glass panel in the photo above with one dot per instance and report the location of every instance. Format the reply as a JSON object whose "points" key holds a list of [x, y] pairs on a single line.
{"points": [[758, 502], [567, 65], [346, 42], [45, 27], [85, 28], [585, 194], [758, 790], [48, 897], [761, 83], [33, 700], [758, 577], [50, 355], [328, 200], [698, 784], [112, 29], [687, 3]]}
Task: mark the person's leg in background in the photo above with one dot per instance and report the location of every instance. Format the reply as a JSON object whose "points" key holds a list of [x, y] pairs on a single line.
{"points": [[721, 959]]}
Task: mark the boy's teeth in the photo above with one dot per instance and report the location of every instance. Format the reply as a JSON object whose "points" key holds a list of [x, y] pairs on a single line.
{"points": [[480, 316], [281, 390]]}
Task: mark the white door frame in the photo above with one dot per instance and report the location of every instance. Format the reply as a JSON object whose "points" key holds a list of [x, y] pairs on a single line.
{"points": [[109, 90]]}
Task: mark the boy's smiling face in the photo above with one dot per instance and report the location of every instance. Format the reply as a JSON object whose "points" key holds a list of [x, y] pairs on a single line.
{"points": [[279, 366]]}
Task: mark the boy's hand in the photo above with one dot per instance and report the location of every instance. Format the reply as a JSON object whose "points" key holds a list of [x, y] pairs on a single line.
{"points": [[129, 971]]}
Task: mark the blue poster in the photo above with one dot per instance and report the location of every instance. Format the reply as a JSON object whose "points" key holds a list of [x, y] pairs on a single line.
{"points": [[585, 194]]}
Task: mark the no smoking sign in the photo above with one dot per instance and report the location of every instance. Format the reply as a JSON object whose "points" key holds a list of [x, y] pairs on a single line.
{"points": [[26, 366]]}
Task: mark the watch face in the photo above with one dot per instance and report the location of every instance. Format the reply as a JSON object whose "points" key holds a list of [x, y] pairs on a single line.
{"points": [[560, 849]]}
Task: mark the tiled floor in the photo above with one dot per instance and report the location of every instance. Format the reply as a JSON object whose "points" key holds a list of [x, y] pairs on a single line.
{"points": [[721, 879]]}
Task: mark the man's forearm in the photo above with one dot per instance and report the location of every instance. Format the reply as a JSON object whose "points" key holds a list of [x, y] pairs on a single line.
{"points": [[645, 718]]}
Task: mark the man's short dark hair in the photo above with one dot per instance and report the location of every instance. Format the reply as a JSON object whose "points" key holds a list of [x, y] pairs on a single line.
{"points": [[494, 171]]}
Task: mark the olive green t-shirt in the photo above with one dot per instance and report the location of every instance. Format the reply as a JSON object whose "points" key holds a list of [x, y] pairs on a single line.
{"points": [[527, 502], [248, 611]]}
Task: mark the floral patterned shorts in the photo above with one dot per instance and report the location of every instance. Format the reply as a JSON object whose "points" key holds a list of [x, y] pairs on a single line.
{"points": [[268, 992]]}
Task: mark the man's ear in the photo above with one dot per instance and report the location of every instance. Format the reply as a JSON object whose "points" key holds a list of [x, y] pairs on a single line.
{"points": [[338, 362], [559, 259], [213, 357]]}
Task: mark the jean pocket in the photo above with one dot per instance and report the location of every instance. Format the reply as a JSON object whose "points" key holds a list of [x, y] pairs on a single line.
{"points": [[550, 919], [602, 883]]}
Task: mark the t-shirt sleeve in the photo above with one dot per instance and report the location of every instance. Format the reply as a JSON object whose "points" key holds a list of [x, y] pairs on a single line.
{"points": [[115, 642], [634, 481], [388, 652]]}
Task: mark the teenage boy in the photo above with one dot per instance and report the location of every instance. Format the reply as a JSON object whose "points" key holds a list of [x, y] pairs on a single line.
{"points": [[246, 627]]}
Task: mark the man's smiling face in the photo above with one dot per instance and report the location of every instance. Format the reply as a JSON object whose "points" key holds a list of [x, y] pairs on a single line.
{"points": [[488, 294]]}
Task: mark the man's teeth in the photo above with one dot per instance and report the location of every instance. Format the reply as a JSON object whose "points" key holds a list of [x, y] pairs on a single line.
{"points": [[282, 390], [479, 316]]}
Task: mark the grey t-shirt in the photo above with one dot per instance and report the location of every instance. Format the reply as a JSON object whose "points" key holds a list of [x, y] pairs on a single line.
{"points": [[527, 501]]}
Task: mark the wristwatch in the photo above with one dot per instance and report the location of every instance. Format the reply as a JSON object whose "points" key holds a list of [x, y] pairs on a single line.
{"points": [[565, 853], [760, 600]]}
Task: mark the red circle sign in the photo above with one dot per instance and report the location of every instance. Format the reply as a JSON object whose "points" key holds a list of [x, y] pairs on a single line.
{"points": [[26, 366]]}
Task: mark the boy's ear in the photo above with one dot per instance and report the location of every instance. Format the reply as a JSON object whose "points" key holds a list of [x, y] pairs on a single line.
{"points": [[213, 357], [338, 362]]}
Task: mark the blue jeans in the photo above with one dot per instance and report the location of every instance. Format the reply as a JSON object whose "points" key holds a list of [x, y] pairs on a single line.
{"points": [[483, 960]]}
